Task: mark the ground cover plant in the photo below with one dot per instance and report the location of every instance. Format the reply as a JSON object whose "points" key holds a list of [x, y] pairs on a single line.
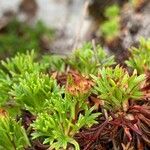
{"points": [[84, 101]]}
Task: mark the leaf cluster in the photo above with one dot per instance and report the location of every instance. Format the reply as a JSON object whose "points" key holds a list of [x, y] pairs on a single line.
{"points": [[25, 82], [13, 136], [139, 57], [53, 63], [63, 120], [32, 91], [20, 64], [87, 61], [115, 87]]}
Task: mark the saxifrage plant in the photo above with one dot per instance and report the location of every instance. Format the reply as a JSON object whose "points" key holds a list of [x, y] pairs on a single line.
{"points": [[115, 87], [64, 118], [88, 60], [12, 134], [124, 99], [64, 114], [33, 90], [139, 57], [25, 82], [139, 60]]}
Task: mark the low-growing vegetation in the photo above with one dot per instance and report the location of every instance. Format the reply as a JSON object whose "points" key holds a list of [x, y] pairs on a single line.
{"points": [[84, 101]]}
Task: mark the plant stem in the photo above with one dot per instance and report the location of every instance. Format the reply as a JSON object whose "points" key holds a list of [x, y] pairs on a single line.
{"points": [[113, 141]]}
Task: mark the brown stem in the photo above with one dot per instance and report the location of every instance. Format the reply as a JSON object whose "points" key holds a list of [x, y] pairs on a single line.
{"points": [[114, 144]]}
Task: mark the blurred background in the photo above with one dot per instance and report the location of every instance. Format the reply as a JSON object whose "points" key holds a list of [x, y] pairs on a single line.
{"points": [[60, 26]]}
